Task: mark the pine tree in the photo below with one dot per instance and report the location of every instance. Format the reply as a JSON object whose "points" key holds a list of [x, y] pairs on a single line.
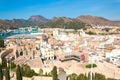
{"points": [[89, 76], [18, 73], [1, 74], [4, 63], [7, 74], [54, 73], [1, 43]]}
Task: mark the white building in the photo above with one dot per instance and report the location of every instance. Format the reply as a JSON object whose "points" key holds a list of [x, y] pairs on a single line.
{"points": [[113, 53], [47, 53], [114, 56]]}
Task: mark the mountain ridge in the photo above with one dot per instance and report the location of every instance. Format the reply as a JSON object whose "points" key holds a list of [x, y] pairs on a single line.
{"points": [[33, 20], [88, 19], [40, 20]]}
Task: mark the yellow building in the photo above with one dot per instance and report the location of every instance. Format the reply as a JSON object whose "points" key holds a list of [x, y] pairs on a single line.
{"points": [[113, 31]]}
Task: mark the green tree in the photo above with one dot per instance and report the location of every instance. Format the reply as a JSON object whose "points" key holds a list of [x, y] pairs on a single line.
{"points": [[1, 43], [54, 73], [4, 63], [7, 74], [12, 65], [27, 71], [99, 76], [73, 76], [1, 73], [18, 73], [81, 77]]}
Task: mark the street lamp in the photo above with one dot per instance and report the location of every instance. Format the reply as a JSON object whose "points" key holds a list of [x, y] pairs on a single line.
{"points": [[91, 68]]}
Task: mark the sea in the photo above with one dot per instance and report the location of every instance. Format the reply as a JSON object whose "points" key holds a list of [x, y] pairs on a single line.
{"points": [[11, 33]]}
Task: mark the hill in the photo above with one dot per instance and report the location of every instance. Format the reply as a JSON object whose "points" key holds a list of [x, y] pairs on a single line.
{"points": [[5, 24], [63, 22], [37, 19], [97, 20], [32, 21]]}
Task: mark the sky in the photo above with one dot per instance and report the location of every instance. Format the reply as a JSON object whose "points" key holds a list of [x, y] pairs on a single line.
{"points": [[23, 9]]}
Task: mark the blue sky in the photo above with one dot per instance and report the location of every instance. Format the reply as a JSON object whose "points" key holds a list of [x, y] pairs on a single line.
{"points": [[10, 9]]}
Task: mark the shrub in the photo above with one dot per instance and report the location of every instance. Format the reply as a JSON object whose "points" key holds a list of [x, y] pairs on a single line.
{"points": [[12, 65], [91, 65], [27, 71]]}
